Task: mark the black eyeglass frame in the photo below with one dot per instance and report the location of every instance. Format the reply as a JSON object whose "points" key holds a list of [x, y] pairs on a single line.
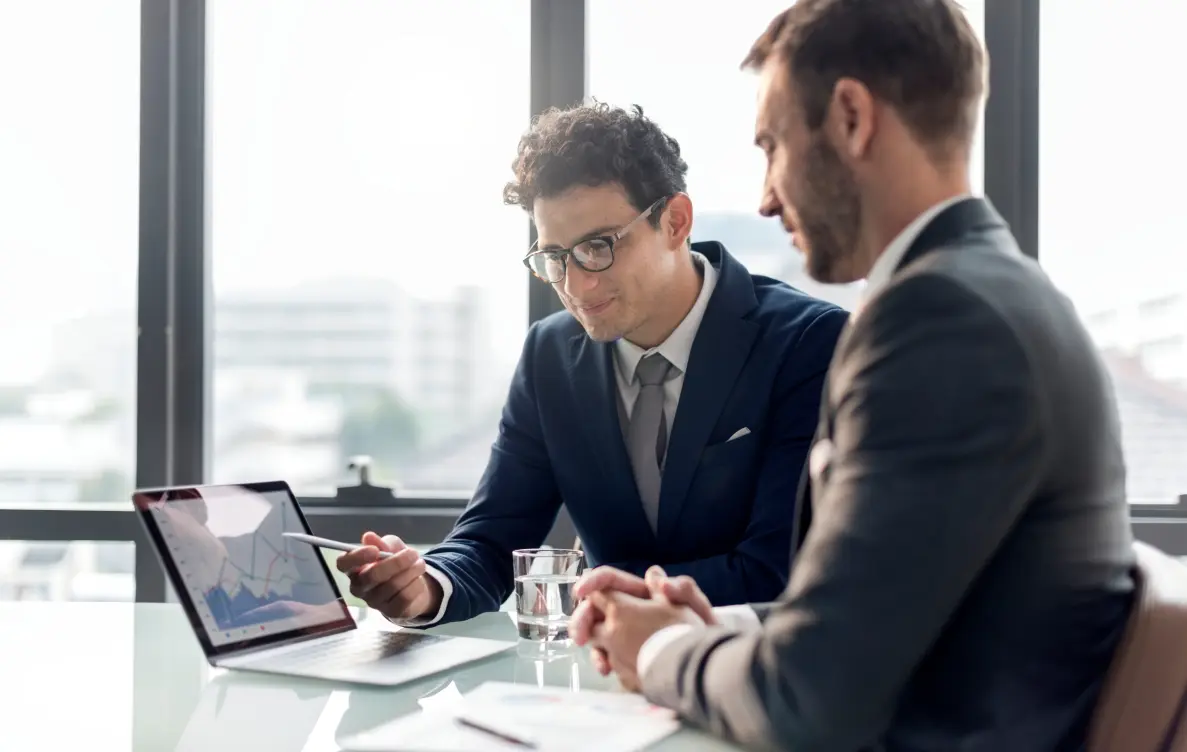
{"points": [[564, 254]]}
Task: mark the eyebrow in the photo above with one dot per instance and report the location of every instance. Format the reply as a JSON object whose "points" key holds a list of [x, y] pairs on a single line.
{"points": [[599, 232]]}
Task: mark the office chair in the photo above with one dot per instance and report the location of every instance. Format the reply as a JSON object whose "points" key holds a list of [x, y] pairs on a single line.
{"points": [[1143, 706]]}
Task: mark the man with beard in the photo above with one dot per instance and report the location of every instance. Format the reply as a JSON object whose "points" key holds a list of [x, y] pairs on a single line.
{"points": [[966, 575]]}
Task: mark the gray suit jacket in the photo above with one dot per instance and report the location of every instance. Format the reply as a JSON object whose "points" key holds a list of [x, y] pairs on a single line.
{"points": [[966, 573]]}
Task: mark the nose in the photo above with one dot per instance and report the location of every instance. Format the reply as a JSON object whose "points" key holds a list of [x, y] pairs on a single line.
{"points": [[577, 281], [769, 206]]}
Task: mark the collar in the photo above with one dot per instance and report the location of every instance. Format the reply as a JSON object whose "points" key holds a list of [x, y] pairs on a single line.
{"points": [[890, 259], [677, 347]]}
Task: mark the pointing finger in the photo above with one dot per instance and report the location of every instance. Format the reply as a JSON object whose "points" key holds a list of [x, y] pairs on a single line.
{"points": [[349, 562]]}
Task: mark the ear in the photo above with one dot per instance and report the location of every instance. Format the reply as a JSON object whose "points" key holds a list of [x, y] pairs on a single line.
{"points": [[677, 221], [852, 118]]}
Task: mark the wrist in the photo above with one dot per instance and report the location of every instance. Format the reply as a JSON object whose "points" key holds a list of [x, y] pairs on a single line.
{"points": [[432, 598]]}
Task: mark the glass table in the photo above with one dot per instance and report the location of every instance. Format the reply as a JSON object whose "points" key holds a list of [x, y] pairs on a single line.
{"points": [[121, 676]]}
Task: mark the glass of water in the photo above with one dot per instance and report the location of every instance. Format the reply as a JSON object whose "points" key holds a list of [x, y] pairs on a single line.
{"points": [[544, 580]]}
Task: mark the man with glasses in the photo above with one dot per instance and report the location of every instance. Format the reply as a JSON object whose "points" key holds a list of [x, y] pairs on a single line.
{"points": [[669, 407]]}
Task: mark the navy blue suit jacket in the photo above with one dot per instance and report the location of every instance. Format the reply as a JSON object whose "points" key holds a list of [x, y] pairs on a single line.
{"points": [[726, 507]]}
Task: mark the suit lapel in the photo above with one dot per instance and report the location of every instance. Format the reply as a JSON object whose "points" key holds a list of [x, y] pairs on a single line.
{"points": [[803, 515], [947, 227], [719, 352], [591, 372], [951, 225], [803, 503]]}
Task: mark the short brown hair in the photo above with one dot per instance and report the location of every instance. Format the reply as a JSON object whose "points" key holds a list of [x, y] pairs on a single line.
{"points": [[922, 57], [596, 144]]}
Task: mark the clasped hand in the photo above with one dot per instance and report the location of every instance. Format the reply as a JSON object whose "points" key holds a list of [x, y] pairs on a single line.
{"points": [[619, 611]]}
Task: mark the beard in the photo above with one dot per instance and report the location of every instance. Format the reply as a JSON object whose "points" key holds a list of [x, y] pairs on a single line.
{"points": [[829, 216]]}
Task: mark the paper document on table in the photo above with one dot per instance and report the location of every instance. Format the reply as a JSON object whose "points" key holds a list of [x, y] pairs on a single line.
{"points": [[553, 719]]}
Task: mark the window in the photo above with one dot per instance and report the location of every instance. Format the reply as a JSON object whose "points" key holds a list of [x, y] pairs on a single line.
{"points": [[1166, 306], [695, 91], [368, 295], [1110, 198], [69, 202], [67, 571]]}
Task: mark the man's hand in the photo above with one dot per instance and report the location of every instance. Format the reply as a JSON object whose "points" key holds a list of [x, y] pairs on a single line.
{"points": [[680, 591], [627, 622], [398, 587]]}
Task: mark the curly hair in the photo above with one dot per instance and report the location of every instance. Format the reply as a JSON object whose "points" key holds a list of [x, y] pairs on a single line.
{"points": [[596, 144]]}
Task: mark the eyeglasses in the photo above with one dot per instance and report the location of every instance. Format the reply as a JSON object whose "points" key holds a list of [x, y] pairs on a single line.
{"points": [[592, 254]]}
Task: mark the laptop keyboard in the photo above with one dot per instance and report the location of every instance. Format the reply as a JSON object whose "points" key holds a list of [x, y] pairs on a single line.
{"points": [[352, 648]]}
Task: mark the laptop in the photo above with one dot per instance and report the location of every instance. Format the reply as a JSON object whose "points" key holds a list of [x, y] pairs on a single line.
{"points": [[258, 601]]}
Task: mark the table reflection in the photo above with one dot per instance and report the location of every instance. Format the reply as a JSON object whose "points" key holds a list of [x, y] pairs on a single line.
{"points": [[238, 710], [554, 665], [127, 677]]}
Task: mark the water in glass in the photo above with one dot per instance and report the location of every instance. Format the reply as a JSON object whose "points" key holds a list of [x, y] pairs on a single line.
{"points": [[544, 582], [544, 603]]}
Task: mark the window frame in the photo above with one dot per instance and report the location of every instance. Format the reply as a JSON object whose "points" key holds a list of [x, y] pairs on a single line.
{"points": [[174, 303]]}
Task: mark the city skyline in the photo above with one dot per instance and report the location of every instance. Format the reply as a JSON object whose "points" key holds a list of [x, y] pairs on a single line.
{"points": [[372, 140], [325, 161]]}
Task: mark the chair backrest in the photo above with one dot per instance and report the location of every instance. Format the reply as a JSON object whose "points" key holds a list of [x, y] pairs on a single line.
{"points": [[1143, 706]]}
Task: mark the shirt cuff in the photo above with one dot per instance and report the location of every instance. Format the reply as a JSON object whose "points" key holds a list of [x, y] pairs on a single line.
{"points": [[740, 617], [446, 591], [655, 645]]}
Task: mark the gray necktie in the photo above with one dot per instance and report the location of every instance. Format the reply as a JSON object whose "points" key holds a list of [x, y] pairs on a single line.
{"points": [[647, 433]]}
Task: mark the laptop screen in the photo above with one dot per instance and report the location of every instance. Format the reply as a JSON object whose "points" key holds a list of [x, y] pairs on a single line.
{"points": [[242, 583]]}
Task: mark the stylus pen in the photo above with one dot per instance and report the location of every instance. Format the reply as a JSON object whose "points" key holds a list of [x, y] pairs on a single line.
{"points": [[313, 540], [486, 728]]}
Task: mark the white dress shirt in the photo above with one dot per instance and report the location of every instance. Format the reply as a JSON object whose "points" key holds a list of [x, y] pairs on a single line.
{"points": [[676, 348], [890, 259], [742, 617]]}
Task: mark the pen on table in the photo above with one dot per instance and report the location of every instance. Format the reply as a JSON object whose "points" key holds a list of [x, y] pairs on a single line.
{"points": [[486, 728], [314, 540]]}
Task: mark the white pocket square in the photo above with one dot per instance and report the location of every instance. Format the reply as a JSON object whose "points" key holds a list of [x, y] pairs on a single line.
{"points": [[819, 458], [739, 434]]}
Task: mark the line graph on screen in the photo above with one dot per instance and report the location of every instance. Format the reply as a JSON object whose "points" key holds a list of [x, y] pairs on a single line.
{"points": [[272, 573], [237, 576]]}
